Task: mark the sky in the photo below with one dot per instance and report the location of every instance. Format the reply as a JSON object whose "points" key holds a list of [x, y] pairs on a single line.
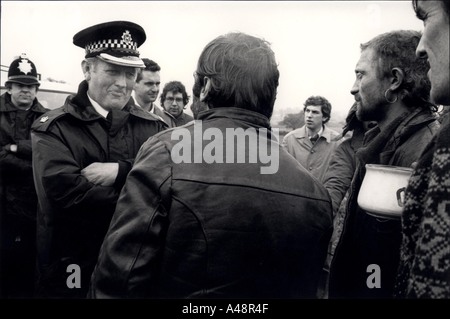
{"points": [[316, 43]]}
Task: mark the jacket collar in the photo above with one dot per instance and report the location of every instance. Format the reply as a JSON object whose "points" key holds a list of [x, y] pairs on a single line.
{"points": [[377, 141], [327, 133], [406, 123], [417, 119], [236, 113]]}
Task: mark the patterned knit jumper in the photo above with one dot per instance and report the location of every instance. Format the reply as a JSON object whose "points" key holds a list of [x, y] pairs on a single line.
{"points": [[424, 270]]}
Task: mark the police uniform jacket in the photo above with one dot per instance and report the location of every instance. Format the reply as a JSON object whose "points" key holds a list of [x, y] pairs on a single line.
{"points": [[74, 213], [17, 194]]}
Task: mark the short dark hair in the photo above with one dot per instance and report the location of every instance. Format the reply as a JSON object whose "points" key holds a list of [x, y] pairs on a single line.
{"points": [[174, 87], [150, 65], [243, 73], [318, 100]]}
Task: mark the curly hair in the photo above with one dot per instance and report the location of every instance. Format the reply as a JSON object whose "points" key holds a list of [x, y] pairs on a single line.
{"points": [[397, 49], [174, 87], [322, 102]]}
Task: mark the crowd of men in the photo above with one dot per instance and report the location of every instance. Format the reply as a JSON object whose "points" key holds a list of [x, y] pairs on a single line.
{"points": [[96, 200]]}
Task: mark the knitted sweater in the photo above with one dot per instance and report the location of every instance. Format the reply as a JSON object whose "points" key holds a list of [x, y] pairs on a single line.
{"points": [[424, 270]]}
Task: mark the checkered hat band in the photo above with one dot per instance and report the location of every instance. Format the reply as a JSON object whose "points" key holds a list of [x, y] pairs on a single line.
{"points": [[103, 45]]}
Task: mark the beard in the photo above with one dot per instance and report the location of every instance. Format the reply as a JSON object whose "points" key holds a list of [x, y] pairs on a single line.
{"points": [[370, 111]]}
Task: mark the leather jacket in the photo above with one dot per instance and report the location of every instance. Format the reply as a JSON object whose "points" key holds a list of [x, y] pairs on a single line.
{"points": [[214, 229]]}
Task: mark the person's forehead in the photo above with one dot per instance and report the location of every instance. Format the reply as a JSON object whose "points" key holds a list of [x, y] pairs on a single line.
{"points": [[426, 5], [20, 85], [367, 58], [423, 8], [150, 74], [174, 93], [314, 107]]}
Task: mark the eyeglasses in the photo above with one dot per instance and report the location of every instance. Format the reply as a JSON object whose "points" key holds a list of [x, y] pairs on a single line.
{"points": [[171, 99]]}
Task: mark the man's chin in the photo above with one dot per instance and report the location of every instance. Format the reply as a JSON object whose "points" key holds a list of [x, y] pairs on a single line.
{"points": [[115, 106]]}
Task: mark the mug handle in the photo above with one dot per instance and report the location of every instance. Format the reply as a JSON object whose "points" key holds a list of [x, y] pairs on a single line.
{"points": [[400, 199]]}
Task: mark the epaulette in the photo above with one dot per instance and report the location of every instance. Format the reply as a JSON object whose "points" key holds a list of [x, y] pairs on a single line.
{"points": [[42, 123]]}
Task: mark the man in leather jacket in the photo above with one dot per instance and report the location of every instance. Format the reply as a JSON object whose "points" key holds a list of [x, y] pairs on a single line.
{"points": [[213, 220]]}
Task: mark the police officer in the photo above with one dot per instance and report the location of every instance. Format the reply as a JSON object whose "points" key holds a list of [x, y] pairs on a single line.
{"points": [[19, 107], [83, 153]]}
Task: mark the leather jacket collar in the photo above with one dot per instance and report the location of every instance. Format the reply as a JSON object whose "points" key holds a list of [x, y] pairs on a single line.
{"points": [[236, 113]]}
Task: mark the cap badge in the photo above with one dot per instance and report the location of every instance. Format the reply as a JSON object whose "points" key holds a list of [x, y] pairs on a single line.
{"points": [[25, 66], [44, 119], [126, 38]]}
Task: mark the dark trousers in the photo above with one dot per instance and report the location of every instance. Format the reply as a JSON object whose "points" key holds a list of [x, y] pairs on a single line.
{"points": [[369, 241], [17, 257]]}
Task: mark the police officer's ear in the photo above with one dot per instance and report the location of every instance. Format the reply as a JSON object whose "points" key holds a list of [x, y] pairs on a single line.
{"points": [[87, 68], [8, 86], [205, 88]]}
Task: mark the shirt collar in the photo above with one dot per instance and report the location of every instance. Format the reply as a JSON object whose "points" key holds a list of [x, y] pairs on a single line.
{"points": [[97, 107], [325, 132], [152, 108], [318, 133]]}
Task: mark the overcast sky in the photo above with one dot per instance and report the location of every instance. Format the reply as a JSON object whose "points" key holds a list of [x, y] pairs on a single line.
{"points": [[316, 43]]}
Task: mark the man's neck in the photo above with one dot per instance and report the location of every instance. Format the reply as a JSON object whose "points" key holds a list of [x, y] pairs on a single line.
{"points": [[23, 107], [392, 111], [100, 110], [145, 106], [311, 132]]}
